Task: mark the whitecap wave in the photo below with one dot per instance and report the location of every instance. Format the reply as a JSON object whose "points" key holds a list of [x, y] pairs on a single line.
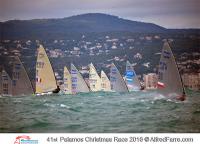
{"points": [[64, 106]]}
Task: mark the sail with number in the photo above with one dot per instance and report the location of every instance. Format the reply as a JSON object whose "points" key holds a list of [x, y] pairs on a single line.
{"points": [[78, 83], [94, 79], [117, 82], [105, 82], [131, 78], [67, 81], [21, 84], [45, 78], [169, 80], [5, 84]]}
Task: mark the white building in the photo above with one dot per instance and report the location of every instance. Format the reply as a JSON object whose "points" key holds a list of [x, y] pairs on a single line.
{"points": [[191, 80], [150, 81]]}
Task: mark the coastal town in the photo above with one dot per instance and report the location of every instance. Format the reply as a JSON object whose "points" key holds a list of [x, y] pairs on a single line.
{"points": [[103, 50]]}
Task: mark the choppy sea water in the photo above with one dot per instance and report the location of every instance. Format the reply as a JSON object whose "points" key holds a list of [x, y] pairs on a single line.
{"points": [[100, 112]]}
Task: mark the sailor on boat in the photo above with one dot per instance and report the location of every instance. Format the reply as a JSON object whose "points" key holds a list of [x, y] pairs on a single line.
{"points": [[45, 77], [182, 97], [169, 79], [142, 86], [56, 90]]}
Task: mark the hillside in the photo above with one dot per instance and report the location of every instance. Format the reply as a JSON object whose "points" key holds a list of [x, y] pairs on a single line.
{"points": [[85, 23]]}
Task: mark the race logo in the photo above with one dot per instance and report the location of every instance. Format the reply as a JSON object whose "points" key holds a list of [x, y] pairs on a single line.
{"points": [[24, 139]]}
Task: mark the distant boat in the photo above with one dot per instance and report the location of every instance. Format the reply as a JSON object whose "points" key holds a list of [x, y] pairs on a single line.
{"points": [[94, 79], [21, 84], [67, 81], [78, 83], [131, 78], [45, 78], [117, 82], [105, 82], [169, 79], [5, 84]]}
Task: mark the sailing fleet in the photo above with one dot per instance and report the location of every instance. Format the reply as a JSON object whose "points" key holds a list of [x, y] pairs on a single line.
{"points": [[169, 79]]}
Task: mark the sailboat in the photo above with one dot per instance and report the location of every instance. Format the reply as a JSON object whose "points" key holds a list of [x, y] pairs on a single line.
{"points": [[21, 84], [105, 82], [131, 78], [169, 79], [5, 84], [78, 83], [117, 82], [45, 78], [67, 81], [94, 79]]}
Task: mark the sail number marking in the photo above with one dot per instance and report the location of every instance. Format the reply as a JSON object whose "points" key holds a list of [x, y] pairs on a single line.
{"points": [[163, 66], [166, 54]]}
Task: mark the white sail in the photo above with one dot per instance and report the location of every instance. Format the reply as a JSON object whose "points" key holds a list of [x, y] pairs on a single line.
{"points": [[94, 79], [131, 78], [105, 82], [78, 83], [117, 82], [5, 84], [21, 84], [45, 78], [67, 81], [169, 80]]}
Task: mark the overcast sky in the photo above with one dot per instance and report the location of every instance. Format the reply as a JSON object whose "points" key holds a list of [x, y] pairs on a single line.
{"points": [[167, 13]]}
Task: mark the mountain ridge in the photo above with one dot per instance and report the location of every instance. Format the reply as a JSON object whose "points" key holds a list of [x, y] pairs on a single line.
{"points": [[84, 23]]}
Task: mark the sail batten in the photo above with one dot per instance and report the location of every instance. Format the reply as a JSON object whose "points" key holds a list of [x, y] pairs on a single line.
{"points": [[117, 82], [94, 79], [45, 78], [131, 78], [78, 83], [169, 80], [67, 81], [105, 82]]}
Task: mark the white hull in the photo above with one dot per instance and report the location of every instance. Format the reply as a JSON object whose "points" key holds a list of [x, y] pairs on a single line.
{"points": [[46, 93]]}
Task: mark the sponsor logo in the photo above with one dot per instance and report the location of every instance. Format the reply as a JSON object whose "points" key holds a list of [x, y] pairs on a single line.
{"points": [[24, 139], [130, 73], [129, 79]]}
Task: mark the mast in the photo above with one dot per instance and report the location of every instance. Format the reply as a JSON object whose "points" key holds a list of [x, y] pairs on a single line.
{"points": [[45, 78], [78, 83], [67, 81], [117, 82], [21, 84], [131, 78], [105, 82], [178, 71], [94, 79], [169, 79]]}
